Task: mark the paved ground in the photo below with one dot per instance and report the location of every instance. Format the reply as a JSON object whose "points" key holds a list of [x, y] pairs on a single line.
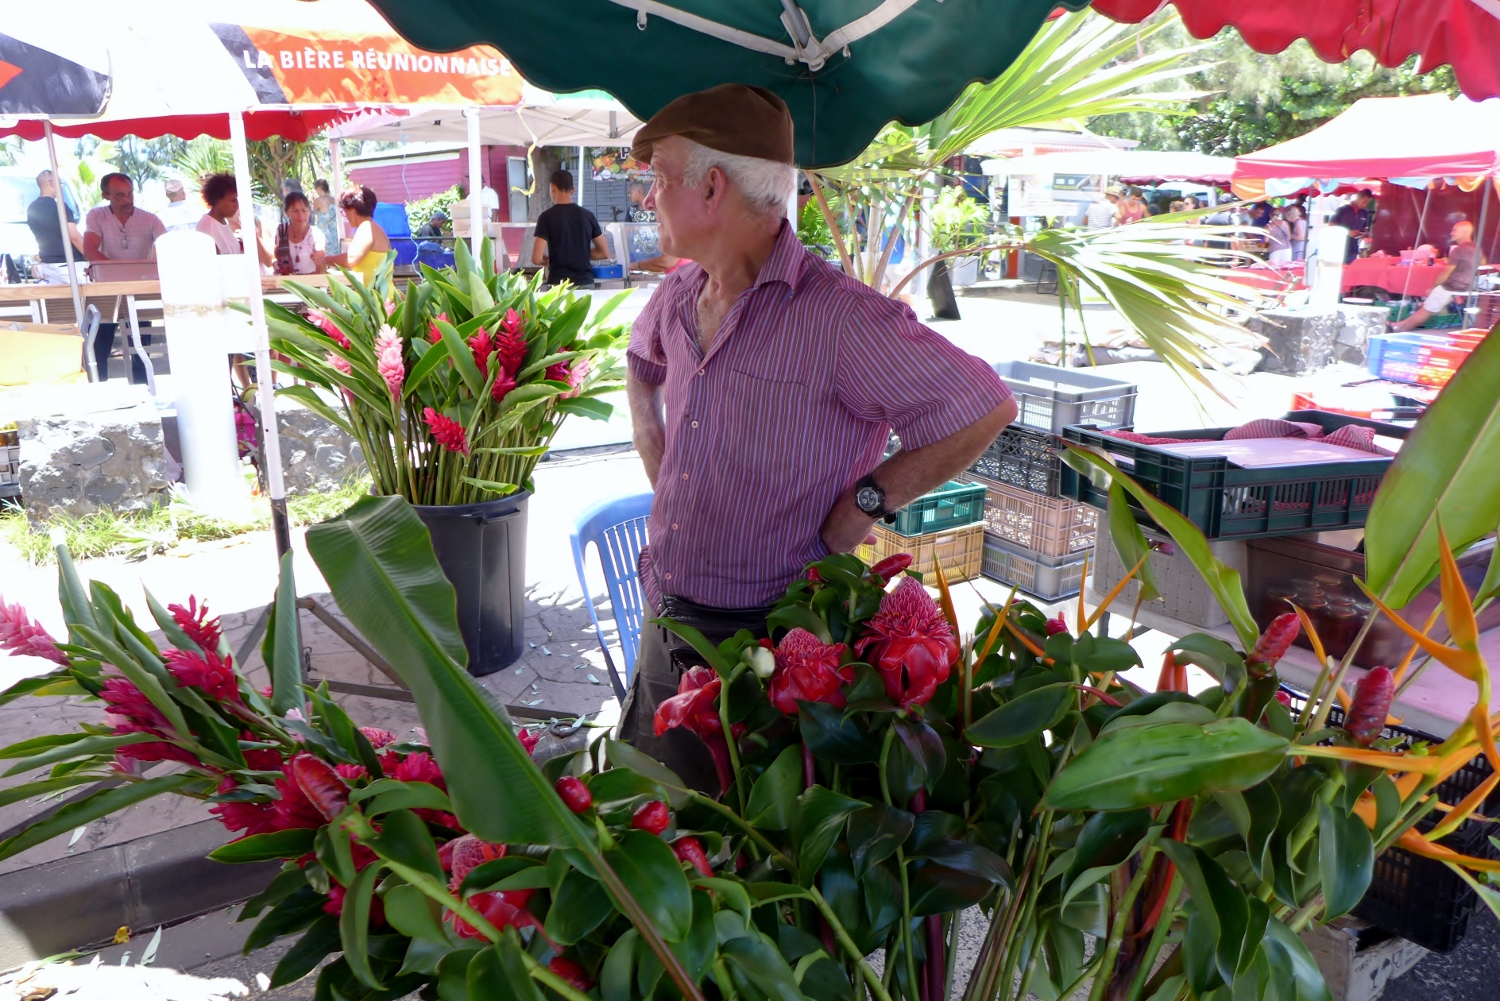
{"points": [[236, 577]]}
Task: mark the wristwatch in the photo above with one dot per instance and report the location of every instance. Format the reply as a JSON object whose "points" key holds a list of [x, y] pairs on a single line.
{"points": [[870, 498]]}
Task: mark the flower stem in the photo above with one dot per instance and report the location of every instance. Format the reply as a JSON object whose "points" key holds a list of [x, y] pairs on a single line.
{"points": [[885, 792], [729, 741], [1117, 932], [865, 969]]}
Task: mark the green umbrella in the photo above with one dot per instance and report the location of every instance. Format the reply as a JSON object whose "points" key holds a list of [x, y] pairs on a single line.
{"points": [[845, 67]]}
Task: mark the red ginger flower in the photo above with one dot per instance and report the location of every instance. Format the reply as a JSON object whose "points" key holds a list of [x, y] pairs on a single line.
{"points": [[239, 815], [483, 345], [418, 767], [208, 672], [193, 619], [807, 670], [26, 637], [503, 384], [433, 333], [324, 788], [449, 433], [261, 759], [909, 643], [528, 739], [388, 360], [293, 809], [133, 712], [1369, 706]]}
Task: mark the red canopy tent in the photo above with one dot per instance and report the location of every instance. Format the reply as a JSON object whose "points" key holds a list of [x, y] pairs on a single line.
{"points": [[1464, 34]]}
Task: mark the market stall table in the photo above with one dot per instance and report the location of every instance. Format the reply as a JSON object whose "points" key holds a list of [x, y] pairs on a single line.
{"points": [[1268, 277], [1389, 273]]}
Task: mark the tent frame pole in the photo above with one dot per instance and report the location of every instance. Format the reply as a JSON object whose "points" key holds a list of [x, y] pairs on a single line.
{"points": [[265, 379], [67, 242], [478, 224]]}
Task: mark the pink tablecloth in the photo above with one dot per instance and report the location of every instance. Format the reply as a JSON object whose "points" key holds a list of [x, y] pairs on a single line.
{"points": [[1268, 277], [1393, 276]]}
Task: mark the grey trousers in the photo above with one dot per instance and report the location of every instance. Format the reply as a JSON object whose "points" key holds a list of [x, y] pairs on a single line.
{"points": [[656, 679]]}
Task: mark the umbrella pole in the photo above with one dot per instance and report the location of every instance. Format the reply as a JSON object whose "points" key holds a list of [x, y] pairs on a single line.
{"points": [[477, 223], [265, 380], [67, 242]]}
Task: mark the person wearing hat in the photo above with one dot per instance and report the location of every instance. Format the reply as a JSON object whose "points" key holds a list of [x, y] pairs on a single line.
{"points": [[763, 386], [178, 214], [1102, 211]]}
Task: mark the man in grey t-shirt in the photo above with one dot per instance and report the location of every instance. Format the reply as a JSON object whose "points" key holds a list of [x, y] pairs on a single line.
{"points": [[1457, 277]]}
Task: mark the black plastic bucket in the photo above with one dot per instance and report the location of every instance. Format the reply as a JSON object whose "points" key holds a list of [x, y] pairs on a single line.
{"points": [[482, 550]]}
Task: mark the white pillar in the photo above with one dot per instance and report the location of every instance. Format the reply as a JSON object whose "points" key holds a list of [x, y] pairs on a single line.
{"points": [[1327, 279], [265, 397], [196, 319], [478, 223], [336, 187]]}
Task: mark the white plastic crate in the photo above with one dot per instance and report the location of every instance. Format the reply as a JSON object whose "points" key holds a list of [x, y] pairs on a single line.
{"points": [[1050, 398], [1046, 577], [1048, 526], [1184, 594]]}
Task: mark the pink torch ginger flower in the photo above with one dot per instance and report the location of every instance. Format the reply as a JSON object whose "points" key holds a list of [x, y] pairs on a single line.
{"points": [[807, 670], [324, 323], [909, 643], [24, 636], [377, 737], [463, 855], [449, 433], [388, 360]]}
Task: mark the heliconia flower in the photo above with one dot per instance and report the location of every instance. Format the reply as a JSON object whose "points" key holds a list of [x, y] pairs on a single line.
{"points": [[510, 342], [695, 706], [292, 808], [433, 333], [449, 433], [1273, 644], [325, 323], [807, 670], [1370, 705], [503, 384], [377, 737], [323, 786], [891, 566], [388, 360], [342, 364], [909, 643], [20, 635], [208, 672], [483, 345], [575, 975]]}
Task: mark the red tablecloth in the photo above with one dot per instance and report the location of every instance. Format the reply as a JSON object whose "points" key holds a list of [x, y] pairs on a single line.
{"points": [[1269, 277], [1393, 276]]}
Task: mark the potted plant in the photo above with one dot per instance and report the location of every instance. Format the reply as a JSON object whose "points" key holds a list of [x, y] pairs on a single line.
{"points": [[454, 390]]}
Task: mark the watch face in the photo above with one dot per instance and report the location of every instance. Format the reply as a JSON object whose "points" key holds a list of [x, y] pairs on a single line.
{"points": [[868, 499]]}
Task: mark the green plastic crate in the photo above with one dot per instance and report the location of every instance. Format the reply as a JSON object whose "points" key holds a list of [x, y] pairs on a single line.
{"points": [[951, 505], [1228, 502]]}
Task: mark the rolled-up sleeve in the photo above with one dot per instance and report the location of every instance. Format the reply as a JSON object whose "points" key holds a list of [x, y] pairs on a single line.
{"points": [[645, 357], [893, 368]]}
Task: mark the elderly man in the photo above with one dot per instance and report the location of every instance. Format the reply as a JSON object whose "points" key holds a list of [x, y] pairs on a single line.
{"points": [[119, 232], [1456, 279], [763, 384]]}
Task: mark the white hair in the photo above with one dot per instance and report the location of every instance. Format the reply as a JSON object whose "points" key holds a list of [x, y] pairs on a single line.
{"points": [[766, 185]]}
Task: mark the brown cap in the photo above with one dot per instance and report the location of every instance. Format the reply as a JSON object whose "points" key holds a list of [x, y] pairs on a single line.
{"points": [[731, 118]]}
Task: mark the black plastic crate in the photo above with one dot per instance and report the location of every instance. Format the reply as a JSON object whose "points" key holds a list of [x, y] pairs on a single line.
{"points": [[1416, 898], [1021, 457], [1226, 501]]}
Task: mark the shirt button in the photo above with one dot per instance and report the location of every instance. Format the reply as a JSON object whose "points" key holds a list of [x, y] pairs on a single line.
{"points": [[695, 423], [674, 526], [667, 576], [684, 476], [701, 373]]}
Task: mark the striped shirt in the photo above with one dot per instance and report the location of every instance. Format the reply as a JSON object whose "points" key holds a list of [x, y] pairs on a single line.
{"points": [[131, 240], [792, 404]]}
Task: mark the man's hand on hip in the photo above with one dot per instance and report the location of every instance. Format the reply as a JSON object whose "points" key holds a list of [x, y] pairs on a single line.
{"points": [[846, 525]]}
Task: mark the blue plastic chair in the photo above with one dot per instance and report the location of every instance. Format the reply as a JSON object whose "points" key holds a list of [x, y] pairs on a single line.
{"points": [[617, 529]]}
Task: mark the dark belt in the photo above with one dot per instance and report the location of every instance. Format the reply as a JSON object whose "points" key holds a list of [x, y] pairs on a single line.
{"points": [[716, 624]]}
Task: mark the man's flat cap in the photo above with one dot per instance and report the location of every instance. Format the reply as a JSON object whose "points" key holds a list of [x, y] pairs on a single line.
{"points": [[731, 118]]}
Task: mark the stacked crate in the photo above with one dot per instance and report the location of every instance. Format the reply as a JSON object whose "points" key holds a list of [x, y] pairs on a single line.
{"points": [[10, 462], [1034, 538], [942, 528], [1421, 359]]}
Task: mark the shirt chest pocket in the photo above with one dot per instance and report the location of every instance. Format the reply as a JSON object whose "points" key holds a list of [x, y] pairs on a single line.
{"points": [[766, 416]]}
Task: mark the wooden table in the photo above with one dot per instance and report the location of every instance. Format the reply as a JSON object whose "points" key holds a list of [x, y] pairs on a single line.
{"points": [[140, 298]]}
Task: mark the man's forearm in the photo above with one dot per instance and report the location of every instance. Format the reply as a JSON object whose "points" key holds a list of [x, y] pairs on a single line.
{"points": [[649, 429], [908, 475]]}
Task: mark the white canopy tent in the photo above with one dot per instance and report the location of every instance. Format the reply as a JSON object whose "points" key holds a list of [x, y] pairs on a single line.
{"points": [[1126, 164], [590, 118]]}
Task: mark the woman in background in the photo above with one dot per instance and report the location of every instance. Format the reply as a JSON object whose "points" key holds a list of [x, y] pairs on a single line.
{"points": [[1298, 227], [325, 216], [299, 247], [370, 244]]}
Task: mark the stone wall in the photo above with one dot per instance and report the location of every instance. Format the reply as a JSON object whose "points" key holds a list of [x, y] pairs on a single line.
{"points": [[118, 460], [114, 461], [315, 453]]}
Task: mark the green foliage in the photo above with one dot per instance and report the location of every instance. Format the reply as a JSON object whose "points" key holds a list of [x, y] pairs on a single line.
{"points": [[1254, 101], [419, 211], [958, 221]]}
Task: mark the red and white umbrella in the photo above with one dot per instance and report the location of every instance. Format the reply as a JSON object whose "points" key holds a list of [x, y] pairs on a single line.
{"points": [[1464, 34]]}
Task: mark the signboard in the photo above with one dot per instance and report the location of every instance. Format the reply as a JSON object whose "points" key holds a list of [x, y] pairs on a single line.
{"points": [[1080, 187], [608, 163], [310, 68], [1033, 196]]}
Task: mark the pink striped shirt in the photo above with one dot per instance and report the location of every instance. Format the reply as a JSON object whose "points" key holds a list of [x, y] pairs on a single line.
{"points": [[791, 405]]}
